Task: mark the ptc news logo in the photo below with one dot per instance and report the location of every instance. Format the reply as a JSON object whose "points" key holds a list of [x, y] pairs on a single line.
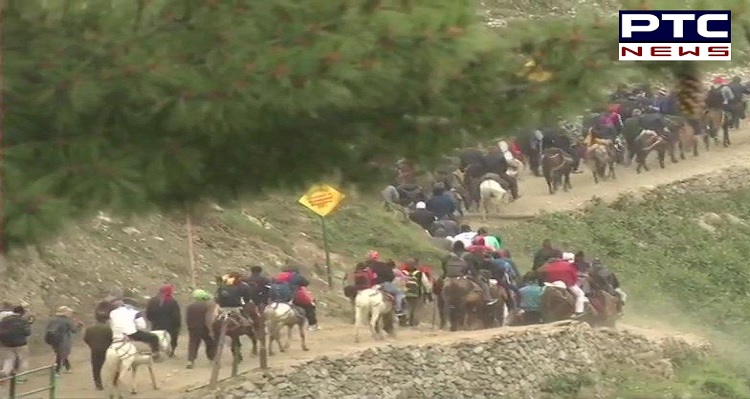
{"points": [[675, 36]]}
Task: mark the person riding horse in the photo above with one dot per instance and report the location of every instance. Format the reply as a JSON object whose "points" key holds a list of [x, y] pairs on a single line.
{"points": [[460, 263], [496, 163], [232, 295]]}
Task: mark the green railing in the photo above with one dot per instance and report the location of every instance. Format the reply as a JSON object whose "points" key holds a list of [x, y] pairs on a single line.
{"points": [[13, 381]]}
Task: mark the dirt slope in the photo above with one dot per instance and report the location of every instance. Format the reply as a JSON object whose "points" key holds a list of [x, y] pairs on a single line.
{"points": [[336, 338]]}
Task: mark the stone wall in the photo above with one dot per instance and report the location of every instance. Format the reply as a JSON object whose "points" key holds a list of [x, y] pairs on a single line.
{"points": [[515, 364]]}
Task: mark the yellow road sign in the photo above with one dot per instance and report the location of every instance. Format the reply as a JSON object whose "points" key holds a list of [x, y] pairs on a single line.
{"points": [[322, 199]]}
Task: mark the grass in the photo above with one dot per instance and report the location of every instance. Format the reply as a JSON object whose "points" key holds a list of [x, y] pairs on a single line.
{"points": [[353, 229], [672, 269]]}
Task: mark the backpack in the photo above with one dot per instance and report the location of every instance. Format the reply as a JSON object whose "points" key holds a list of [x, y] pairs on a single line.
{"points": [[714, 98], [455, 266], [54, 335], [280, 292], [13, 330], [362, 279], [414, 284]]}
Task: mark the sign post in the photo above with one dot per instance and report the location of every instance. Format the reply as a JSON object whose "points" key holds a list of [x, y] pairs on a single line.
{"points": [[323, 200]]}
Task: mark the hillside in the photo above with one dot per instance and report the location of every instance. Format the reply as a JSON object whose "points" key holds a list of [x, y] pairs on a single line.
{"points": [[676, 271]]}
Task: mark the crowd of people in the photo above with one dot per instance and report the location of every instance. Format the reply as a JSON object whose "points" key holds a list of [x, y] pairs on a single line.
{"points": [[617, 126], [119, 318]]}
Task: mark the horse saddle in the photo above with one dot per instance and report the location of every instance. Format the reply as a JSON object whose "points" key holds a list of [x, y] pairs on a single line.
{"points": [[236, 315], [386, 296], [141, 348]]}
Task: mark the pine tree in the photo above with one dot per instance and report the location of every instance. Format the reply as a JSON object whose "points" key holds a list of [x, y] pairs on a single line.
{"points": [[160, 103]]}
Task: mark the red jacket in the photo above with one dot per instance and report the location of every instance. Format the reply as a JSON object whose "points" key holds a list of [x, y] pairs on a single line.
{"points": [[515, 149], [283, 277], [560, 270]]}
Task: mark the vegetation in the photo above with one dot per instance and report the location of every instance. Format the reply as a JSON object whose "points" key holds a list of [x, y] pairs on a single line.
{"points": [[706, 379], [127, 106], [672, 268]]}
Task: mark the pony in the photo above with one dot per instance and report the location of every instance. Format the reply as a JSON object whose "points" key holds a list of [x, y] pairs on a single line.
{"points": [[125, 355], [686, 137], [599, 160], [460, 303], [279, 315], [379, 306], [557, 303], [235, 327], [647, 141], [491, 195], [556, 168], [717, 119]]}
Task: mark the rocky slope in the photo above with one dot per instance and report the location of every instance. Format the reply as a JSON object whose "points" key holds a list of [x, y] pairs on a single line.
{"points": [[534, 362]]}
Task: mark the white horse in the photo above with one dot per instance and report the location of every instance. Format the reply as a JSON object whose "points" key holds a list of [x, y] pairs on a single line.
{"points": [[125, 355], [372, 302], [278, 315], [491, 195]]}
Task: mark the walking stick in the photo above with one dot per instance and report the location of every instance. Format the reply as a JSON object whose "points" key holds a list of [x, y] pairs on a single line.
{"points": [[434, 312]]}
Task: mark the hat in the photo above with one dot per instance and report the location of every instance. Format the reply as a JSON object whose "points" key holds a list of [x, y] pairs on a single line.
{"points": [[201, 295], [64, 311], [373, 255], [719, 80], [421, 205], [569, 256]]}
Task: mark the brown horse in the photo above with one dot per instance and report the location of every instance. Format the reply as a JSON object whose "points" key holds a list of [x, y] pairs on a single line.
{"points": [[686, 138], [607, 308], [646, 142], [460, 302], [236, 327], [559, 304], [556, 167], [717, 119], [601, 162]]}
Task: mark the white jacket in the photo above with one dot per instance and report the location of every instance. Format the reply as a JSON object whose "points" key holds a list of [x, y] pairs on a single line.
{"points": [[126, 320]]}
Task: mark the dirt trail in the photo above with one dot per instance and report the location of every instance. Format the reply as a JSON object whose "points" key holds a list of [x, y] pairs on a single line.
{"points": [[336, 337], [535, 197]]}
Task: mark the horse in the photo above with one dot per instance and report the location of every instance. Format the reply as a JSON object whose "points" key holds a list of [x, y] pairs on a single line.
{"points": [[279, 315], [460, 303], [556, 168], [125, 355], [717, 119], [686, 135], [235, 327], [607, 308], [557, 303], [599, 159], [496, 315], [647, 141], [379, 306], [491, 195]]}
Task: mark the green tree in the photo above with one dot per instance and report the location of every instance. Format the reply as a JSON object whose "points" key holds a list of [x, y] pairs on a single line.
{"points": [[160, 103]]}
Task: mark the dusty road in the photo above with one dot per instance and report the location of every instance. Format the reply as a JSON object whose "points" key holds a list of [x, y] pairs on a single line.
{"points": [[336, 337]]}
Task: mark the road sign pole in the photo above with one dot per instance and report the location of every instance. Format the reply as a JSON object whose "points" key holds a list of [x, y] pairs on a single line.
{"points": [[328, 252]]}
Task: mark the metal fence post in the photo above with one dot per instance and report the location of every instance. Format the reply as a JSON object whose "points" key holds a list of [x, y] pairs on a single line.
{"points": [[13, 386], [52, 383]]}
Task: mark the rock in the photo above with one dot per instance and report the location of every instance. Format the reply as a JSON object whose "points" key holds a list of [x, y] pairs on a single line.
{"points": [[131, 231], [509, 365]]}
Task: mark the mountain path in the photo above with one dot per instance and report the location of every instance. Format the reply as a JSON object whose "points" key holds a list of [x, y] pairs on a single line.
{"points": [[336, 338]]}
